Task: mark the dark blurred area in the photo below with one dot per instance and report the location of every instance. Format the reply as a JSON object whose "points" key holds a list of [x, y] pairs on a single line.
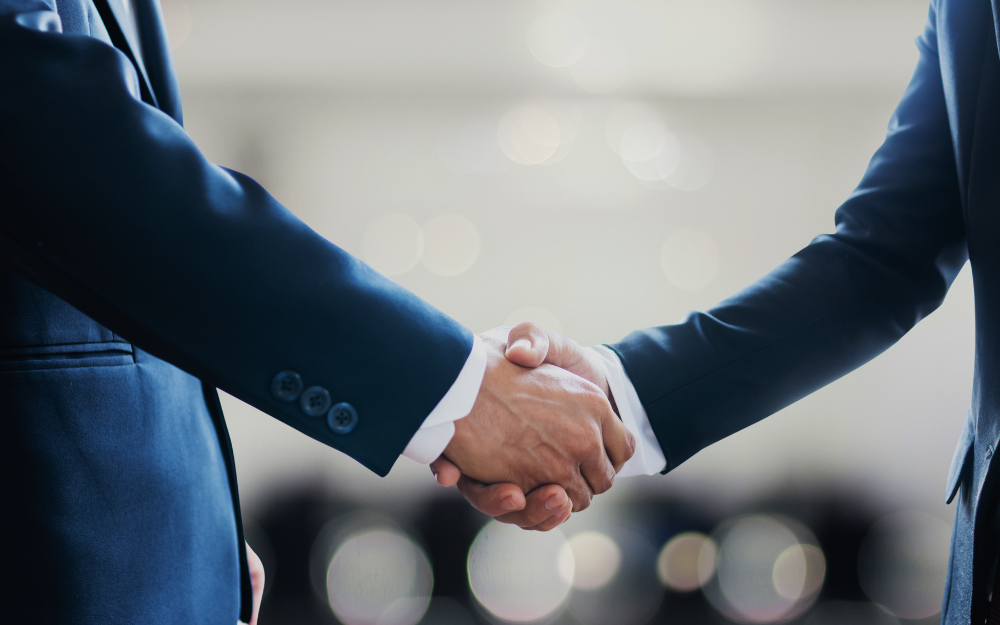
{"points": [[816, 561]]}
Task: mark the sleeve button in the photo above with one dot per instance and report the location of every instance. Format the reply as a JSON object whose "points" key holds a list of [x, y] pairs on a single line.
{"points": [[315, 401], [286, 386], [342, 418]]}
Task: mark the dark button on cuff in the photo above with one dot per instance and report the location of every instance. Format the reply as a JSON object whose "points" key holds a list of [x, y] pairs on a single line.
{"points": [[342, 418], [286, 386], [315, 401]]}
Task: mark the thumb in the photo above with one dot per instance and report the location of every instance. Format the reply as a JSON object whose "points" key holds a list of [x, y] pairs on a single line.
{"points": [[527, 345], [619, 443], [445, 472]]}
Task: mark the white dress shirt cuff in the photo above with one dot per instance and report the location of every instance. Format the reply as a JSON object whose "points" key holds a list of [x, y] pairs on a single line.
{"points": [[438, 428], [648, 458]]}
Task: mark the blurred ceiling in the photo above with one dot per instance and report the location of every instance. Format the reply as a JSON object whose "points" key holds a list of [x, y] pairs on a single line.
{"points": [[639, 47]]}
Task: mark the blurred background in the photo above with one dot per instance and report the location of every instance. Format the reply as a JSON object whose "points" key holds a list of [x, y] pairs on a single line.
{"points": [[596, 167]]}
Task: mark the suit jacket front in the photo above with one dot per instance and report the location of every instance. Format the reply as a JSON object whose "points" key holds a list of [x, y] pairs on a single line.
{"points": [[131, 270], [929, 201]]}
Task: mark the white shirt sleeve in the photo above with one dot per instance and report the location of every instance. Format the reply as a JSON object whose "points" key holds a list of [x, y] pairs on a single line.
{"points": [[648, 458], [438, 428]]}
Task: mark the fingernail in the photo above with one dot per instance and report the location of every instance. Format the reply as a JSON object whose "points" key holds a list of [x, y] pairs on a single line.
{"points": [[525, 343], [554, 502], [508, 504]]}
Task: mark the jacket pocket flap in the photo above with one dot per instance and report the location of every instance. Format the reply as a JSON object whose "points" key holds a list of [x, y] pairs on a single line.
{"points": [[962, 453]]}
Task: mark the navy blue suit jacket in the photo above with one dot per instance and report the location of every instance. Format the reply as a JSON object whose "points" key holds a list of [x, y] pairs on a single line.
{"points": [[929, 201], [135, 278]]}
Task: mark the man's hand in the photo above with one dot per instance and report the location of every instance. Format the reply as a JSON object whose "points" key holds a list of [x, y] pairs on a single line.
{"points": [[531, 427], [256, 582], [531, 345]]}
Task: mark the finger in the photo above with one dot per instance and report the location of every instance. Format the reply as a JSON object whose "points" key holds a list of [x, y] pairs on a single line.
{"points": [[540, 505], [558, 517], [597, 470], [619, 443], [563, 351], [445, 472], [256, 582], [492, 499], [527, 345], [580, 492]]}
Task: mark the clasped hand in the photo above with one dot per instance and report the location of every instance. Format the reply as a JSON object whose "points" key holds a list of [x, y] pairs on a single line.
{"points": [[543, 424]]}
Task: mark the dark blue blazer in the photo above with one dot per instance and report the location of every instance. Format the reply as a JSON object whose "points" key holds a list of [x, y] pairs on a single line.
{"points": [[929, 201], [135, 278]]}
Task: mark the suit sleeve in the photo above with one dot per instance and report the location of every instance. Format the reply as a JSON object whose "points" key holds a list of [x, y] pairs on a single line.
{"points": [[107, 203], [841, 301]]}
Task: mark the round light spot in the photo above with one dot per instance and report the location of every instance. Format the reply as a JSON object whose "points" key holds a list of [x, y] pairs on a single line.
{"points": [[596, 558], [603, 68], [515, 575], [643, 141], [903, 562], [764, 574], [690, 259], [393, 244], [799, 571], [451, 244], [658, 167], [178, 21], [379, 577], [612, 581], [528, 135], [538, 316], [647, 148], [687, 562], [625, 117], [789, 574], [557, 39]]}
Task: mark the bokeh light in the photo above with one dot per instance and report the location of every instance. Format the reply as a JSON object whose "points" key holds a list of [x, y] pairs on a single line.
{"points": [[687, 561], [757, 554], [902, 564], [379, 577], [624, 117], [614, 578], [393, 243], [520, 576], [595, 560], [650, 151], [451, 244], [557, 39], [178, 20], [799, 571], [535, 315], [690, 259], [529, 135]]}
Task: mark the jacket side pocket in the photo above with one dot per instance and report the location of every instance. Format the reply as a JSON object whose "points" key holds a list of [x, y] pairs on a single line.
{"points": [[67, 356]]}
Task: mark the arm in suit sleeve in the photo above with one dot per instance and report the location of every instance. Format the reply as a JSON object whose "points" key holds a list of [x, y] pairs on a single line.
{"points": [[839, 302], [107, 203]]}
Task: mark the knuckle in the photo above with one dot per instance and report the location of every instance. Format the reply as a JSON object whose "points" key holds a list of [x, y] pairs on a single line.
{"points": [[602, 485]]}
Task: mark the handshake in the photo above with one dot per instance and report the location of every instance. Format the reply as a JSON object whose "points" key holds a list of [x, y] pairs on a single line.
{"points": [[543, 436]]}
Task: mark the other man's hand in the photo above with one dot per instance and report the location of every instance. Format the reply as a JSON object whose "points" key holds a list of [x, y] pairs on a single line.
{"points": [[533, 427], [256, 582], [545, 507]]}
